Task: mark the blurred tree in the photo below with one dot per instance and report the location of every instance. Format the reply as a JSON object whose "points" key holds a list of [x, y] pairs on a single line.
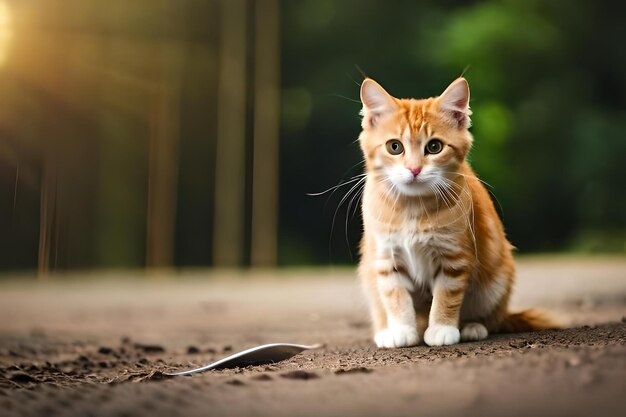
{"points": [[90, 90]]}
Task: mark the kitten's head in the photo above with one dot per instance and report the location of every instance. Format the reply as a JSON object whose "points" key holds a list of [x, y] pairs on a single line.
{"points": [[413, 145]]}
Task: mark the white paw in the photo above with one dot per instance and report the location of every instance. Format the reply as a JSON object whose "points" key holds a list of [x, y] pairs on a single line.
{"points": [[439, 335], [473, 331], [398, 336]]}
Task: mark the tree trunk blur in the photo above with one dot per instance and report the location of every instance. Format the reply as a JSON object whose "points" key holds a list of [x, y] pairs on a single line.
{"points": [[266, 126], [228, 238]]}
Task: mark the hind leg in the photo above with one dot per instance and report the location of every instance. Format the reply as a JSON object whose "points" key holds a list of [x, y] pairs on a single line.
{"points": [[484, 309], [474, 331]]}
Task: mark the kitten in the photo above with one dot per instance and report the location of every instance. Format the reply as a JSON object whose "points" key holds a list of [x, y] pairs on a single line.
{"points": [[435, 262]]}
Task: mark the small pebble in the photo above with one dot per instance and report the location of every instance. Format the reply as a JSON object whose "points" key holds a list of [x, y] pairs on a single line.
{"points": [[299, 375], [518, 344], [358, 370], [574, 361], [235, 382], [105, 350], [21, 377], [149, 348], [262, 377]]}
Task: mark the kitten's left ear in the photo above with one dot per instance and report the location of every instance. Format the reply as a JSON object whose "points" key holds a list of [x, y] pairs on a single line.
{"points": [[454, 103]]}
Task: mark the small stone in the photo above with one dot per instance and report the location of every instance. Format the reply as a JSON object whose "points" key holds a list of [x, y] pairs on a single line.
{"points": [[235, 382], [68, 370], [192, 350], [262, 377], [574, 361], [358, 370], [21, 377], [299, 375], [147, 348], [105, 350]]}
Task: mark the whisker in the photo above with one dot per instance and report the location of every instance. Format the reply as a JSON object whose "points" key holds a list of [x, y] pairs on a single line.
{"points": [[355, 195], [469, 176], [448, 196], [489, 190], [359, 195], [351, 180], [345, 197], [346, 98], [360, 70], [448, 184]]}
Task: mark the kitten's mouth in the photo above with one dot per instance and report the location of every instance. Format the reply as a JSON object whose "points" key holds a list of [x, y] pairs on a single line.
{"points": [[412, 187]]}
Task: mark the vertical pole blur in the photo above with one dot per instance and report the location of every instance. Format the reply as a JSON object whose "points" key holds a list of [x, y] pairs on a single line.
{"points": [[228, 238], [162, 177], [266, 122], [164, 120]]}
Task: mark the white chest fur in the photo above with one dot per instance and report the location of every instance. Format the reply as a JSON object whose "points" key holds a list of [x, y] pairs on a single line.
{"points": [[418, 253]]}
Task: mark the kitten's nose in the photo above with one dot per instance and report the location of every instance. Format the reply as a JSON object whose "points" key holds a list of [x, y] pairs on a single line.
{"points": [[415, 171]]}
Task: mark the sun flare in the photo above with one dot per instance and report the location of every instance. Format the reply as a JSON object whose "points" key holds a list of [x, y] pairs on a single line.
{"points": [[5, 31]]}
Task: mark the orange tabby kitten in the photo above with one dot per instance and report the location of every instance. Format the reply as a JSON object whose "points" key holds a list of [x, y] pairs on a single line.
{"points": [[435, 262]]}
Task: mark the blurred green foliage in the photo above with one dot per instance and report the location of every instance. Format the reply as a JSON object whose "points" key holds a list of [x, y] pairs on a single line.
{"points": [[549, 102]]}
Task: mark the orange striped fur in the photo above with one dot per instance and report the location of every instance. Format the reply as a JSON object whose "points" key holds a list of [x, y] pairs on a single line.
{"points": [[435, 262]]}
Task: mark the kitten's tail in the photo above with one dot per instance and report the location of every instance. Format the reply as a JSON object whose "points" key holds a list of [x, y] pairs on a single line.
{"points": [[528, 320]]}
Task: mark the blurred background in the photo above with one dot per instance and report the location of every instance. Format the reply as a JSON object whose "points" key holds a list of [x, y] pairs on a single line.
{"points": [[188, 133]]}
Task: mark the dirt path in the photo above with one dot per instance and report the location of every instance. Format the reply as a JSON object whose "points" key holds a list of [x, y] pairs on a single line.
{"points": [[79, 346]]}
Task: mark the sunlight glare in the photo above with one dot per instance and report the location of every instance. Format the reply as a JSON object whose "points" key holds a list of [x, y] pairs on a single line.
{"points": [[5, 31]]}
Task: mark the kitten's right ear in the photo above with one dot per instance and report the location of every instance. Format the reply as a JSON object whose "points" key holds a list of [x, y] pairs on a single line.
{"points": [[376, 102], [454, 103]]}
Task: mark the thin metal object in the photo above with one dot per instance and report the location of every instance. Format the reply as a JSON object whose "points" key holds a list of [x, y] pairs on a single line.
{"points": [[274, 352]]}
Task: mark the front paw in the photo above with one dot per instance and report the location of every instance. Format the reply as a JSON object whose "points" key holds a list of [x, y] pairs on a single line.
{"points": [[439, 335], [397, 336]]}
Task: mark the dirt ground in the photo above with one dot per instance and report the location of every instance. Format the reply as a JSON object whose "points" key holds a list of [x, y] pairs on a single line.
{"points": [[95, 345]]}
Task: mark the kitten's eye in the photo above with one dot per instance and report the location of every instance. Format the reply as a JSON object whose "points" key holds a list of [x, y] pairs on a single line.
{"points": [[434, 146], [394, 147]]}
